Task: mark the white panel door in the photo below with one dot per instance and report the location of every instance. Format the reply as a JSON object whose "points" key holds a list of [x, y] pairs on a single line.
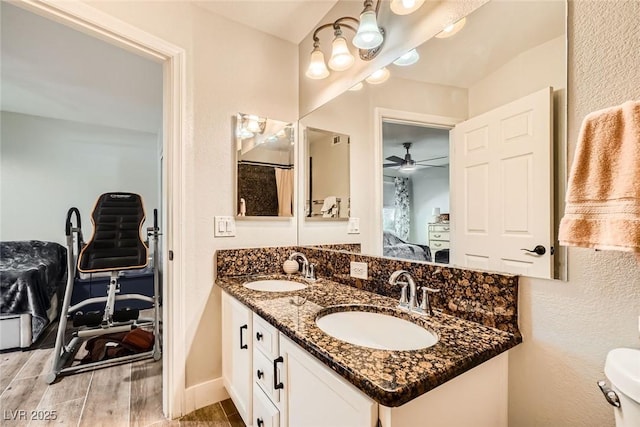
{"points": [[502, 188]]}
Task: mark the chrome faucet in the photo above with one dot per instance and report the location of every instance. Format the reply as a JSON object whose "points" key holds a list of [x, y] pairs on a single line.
{"points": [[308, 270], [410, 303]]}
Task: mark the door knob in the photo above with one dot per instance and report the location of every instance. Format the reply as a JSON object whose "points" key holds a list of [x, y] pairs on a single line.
{"points": [[538, 250]]}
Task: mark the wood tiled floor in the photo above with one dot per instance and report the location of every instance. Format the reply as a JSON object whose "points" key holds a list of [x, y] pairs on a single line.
{"points": [[123, 395]]}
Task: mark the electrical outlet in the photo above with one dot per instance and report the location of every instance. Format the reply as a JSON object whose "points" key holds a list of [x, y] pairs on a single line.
{"points": [[224, 226], [359, 270]]}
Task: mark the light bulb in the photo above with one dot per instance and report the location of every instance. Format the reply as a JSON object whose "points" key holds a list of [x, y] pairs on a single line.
{"points": [[408, 58], [451, 29], [368, 35], [341, 58], [379, 76], [405, 7], [317, 68]]}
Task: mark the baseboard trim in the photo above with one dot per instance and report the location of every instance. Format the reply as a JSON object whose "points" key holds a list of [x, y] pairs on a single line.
{"points": [[204, 394]]}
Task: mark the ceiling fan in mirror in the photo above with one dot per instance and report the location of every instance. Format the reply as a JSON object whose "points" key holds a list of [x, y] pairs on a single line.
{"points": [[407, 164]]}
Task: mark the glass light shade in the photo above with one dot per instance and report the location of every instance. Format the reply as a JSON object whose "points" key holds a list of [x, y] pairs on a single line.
{"points": [[253, 124], [408, 58], [451, 29], [379, 76], [405, 7], [368, 35], [317, 68], [357, 86], [341, 58], [408, 167]]}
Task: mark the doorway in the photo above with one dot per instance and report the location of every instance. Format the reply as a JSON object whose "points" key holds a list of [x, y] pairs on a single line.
{"points": [[90, 21]]}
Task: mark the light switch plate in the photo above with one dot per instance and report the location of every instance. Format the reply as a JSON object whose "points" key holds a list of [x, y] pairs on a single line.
{"points": [[224, 226], [359, 270], [354, 226]]}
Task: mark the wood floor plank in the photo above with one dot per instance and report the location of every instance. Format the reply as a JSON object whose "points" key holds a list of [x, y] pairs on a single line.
{"points": [[58, 414], [10, 365], [108, 398], [212, 415], [20, 398], [146, 393], [38, 364], [70, 387]]}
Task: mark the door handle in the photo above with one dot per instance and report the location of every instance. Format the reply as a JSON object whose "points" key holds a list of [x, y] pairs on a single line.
{"points": [[538, 250], [243, 346], [260, 374]]}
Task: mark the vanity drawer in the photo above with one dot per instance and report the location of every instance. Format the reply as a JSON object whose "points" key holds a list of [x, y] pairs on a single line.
{"points": [[437, 245], [265, 414], [265, 337], [439, 235], [263, 375]]}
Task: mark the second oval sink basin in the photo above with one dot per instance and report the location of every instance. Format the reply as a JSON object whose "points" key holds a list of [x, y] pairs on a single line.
{"points": [[376, 330], [275, 285]]}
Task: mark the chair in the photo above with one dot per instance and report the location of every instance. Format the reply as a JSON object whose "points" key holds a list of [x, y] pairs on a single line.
{"points": [[116, 245]]}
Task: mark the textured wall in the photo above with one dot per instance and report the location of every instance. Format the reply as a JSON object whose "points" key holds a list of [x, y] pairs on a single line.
{"points": [[568, 327]]}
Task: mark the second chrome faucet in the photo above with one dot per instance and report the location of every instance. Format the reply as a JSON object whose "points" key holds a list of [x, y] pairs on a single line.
{"points": [[410, 302]]}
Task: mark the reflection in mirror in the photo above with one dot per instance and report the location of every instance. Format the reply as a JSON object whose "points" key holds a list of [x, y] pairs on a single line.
{"points": [[505, 53], [415, 191], [327, 175], [264, 160]]}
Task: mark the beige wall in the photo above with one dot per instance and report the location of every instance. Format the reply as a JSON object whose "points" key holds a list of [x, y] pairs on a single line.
{"points": [[230, 69]]}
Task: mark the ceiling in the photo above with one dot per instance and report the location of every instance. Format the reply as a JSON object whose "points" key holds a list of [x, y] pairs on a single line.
{"points": [[290, 20], [427, 143], [51, 70]]}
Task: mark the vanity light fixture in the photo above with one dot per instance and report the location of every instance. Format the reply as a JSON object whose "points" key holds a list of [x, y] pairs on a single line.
{"points": [[451, 29], [369, 35], [405, 7], [408, 58], [368, 39], [341, 59], [380, 76], [317, 68]]}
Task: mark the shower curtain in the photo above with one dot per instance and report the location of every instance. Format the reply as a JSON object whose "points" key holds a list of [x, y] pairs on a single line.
{"points": [[284, 184], [402, 209]]}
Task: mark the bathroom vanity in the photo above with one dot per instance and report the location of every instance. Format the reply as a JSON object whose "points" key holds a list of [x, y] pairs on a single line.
{"points": [[281, 369]]}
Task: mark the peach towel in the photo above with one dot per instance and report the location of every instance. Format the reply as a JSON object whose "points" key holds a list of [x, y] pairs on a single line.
{"points": [[603, 199]]}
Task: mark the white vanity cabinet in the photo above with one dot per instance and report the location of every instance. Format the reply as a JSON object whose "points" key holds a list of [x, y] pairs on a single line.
{"points": [[276, 383], [315, 396], [237, 353]]}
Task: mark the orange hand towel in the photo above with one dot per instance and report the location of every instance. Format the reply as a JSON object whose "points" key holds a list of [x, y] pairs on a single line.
{"points": [[603, 198]]}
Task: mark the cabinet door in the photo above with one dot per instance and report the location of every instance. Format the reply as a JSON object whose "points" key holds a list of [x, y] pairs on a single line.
{"points": [[236, 354], [315, 396]]}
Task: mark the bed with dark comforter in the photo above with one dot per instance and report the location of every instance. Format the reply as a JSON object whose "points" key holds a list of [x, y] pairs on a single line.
{"points": [[31, 273], [395, 247]]}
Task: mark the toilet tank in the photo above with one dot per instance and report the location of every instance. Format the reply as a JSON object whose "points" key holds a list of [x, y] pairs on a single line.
{"points": [[622, 368]]}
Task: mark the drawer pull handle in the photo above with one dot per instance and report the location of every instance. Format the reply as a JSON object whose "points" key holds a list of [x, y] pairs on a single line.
{"points": [[277, 384], [437, 245], [259, 422], [243, 346], [260, 374], [436, 235], [258, 336]]}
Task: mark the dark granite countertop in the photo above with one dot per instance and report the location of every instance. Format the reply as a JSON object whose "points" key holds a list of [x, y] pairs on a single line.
{"points": [[391, 378]]}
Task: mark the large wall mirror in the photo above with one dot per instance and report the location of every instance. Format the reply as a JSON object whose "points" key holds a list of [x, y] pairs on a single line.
{"points": [[414, 135], [264, 167]]}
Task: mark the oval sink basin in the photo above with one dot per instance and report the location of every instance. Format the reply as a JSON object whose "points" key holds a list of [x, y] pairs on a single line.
{"points": [[376, 330], [275, 285]]}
